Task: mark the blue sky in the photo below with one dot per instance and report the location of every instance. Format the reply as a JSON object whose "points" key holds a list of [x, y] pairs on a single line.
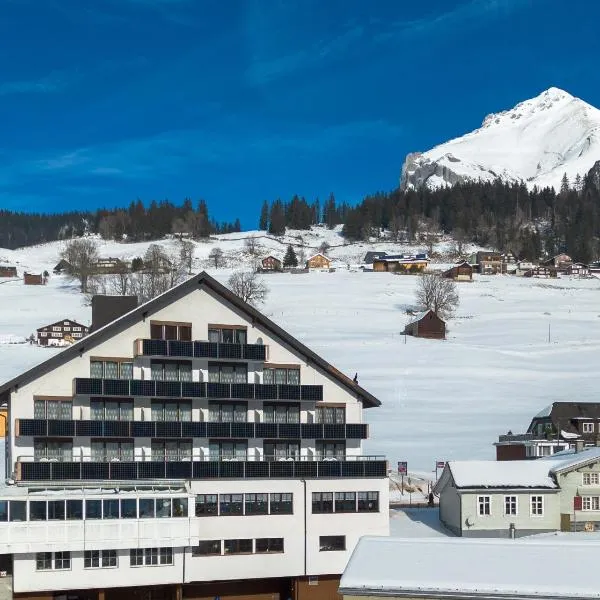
{"points": [[237, 101]]}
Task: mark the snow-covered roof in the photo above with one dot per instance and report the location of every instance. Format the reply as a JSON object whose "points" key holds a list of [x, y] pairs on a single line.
{"points": [[415, 567], [571, 459], [501, 474], [417, 317], [567, 435], [545, 412]]}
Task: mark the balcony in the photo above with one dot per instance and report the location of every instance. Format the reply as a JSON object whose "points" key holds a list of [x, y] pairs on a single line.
{"points": [[199, 349], [195, 389], [519, 437], [259, 468], [189, 429]]}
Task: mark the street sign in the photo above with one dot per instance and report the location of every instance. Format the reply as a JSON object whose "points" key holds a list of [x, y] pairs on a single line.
{"points": [[402, 467]]}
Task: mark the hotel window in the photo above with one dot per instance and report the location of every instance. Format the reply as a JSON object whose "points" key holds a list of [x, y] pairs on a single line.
{"points": [[225, 335], [112, 451], [483, 504], [269, 545], [53, 409], [111, 369], [166, 556], [171, 411], [128, 508], [587, 428], [207, 505], [46, 450], [345, 502], [281, 413], [331, 414], [510, 505], [228, 450], [332, 543], [207, 548], [43, 561], [171, 450], [96, 559], [171, 331], [590, 503], [243, 546], [331, 450], [537, 506], [591, 479], [111, 410], [281, 450], [93, 509], [3, 510], [368, 501], [281, 375], [231, 504], [171, 371], [281, 504], [139, 557], [256, 504], [227, 373], [146, 508], [62, 561], [17, 510], [322, 502], [224, 412]]}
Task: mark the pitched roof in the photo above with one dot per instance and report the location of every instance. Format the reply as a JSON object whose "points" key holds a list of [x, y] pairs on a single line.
{"points": [[61, 322], [318, 254], [145, 310]]}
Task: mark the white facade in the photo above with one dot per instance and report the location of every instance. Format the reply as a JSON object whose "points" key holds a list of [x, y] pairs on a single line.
{"points": [[47, 456]]}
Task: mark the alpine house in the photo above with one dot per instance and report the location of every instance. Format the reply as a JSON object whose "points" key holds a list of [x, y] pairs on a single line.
{"points": [[190, 448]]}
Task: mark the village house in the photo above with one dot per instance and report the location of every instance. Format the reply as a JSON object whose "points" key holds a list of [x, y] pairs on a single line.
{"points": [[560, 567], [8, 271], [460, 272], [487, 262], [426, 324], [523, 266], [61, 333], [578, 270], [110, 266], [370, 256], [594, 268], [318, 262], [554, 429], [402, 263], [560, 262], [62, 266], [542, 272], [271, 263], [34, 279]]}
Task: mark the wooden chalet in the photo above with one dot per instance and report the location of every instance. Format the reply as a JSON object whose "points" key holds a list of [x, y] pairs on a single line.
{"points": [[62, 267], [271, 263], [578, 270], [541, 272], [487, 262], [34, 279], [560, 262], [61, 333], [460, 272], [6, 271], [318, 262], [426, 325]]}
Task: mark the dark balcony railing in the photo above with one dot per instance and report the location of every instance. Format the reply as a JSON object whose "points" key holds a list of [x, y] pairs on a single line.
{"points": [[193, 389], [519, 437], [199, 349], [189, 429], [352, 466]]}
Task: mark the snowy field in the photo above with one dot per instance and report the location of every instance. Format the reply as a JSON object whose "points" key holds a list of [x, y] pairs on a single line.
{"points": [[441, 400]]}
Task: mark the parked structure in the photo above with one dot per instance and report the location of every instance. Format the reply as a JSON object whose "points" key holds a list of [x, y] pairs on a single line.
{"points": [[402, 263], [426, 325], [34, 279], [554, 429], [371, 256], [461, 272], [517, 498], [8, 271], [61, 333], [435, 568], [271, 263], [63, 266], [195, 468], [318, 262], [487, 262]]}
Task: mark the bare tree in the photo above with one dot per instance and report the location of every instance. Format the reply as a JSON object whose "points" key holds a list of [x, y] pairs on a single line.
{"points": [[324, 248], [251, 245], [216, 255], [82, 255], [248, 286], [459, 241], [437, 294], [186, 254]]}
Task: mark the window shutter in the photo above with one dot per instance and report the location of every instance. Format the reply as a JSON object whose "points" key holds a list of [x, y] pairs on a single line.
{"points": [[577, 502]]}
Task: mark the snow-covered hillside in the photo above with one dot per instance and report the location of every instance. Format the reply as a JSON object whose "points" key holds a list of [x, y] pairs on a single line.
{"points": [[536, 142], [441, 400]]}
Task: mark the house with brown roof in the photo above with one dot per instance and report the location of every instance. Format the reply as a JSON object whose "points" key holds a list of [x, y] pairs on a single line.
{"points": [[8, 271], [560, 262], [318, 262], [426, 324], [61, 333], [271, 263], [488, 262], [460, 272], [34, 279]]}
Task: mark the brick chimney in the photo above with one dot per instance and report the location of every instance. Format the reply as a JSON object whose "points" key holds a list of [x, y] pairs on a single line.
{"points": [[106, 309], [578, 445]]}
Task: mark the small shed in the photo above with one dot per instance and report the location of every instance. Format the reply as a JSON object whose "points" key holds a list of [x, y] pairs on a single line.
{"points": [[426, 325], [34, 279], [270, 263], [6, 271], [460, 272], [62, 267], [318, 262]]}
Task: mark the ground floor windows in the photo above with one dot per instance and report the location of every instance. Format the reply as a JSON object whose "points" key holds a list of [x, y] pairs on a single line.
{"points": [[99, 559], [332, 543], [484, 506], [238, 546], [144, 557], [537, 506], [207, 548], [345, 502], [590, 503], [231, 504], [268, 545], [212, 505], [510, 505], [52, 561], [207, 505]]}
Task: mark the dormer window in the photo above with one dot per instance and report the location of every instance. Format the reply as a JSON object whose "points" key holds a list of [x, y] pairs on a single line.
{"points": [[169, 330], [587, 427]]}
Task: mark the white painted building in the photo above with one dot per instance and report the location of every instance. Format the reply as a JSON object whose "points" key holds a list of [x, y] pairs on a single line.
{"points": [[192, 445]]}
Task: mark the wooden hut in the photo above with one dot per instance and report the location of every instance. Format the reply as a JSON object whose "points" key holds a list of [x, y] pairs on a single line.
{"points": [[6, 271], [270, 263], [426, 325], [318, 262], [34, 279], [460, 272]]}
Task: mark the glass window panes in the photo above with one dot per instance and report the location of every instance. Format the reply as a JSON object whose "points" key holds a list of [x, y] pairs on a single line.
{"points": [[111, 370], [52, 409], [206, 505], [17, 510], [56, 510], [151, 556], [74, 510], [163, 507], [256, 504], [227, 373], [109, 558], [3, 510], [166, 556], [281, 413], [345, 502], [110, 509], [281, 504], [322, 502], [207, 548], [243, 546], [329, 543], [43, 561], [126, 370], [39, 409], [128, 508], [231, 504], [180, 507], [96, 369], [368, 501], [91, 559], [136, 557], [97, 410], [156, 370], [331, 414], [37, 510], [93, 509], [281, 375], [264, 545], [62, 560], [146, 508]]}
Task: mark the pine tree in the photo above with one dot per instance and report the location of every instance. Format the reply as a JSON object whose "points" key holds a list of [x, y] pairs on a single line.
{"points": [[277, 218], [290, 259], [263, 222]]}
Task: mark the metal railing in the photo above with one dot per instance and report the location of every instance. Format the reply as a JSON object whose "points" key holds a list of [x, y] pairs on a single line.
{"points": [[200, 349]]}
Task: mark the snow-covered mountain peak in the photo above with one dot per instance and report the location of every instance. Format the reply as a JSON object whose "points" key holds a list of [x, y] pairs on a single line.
{"points": [[535, 142]]}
